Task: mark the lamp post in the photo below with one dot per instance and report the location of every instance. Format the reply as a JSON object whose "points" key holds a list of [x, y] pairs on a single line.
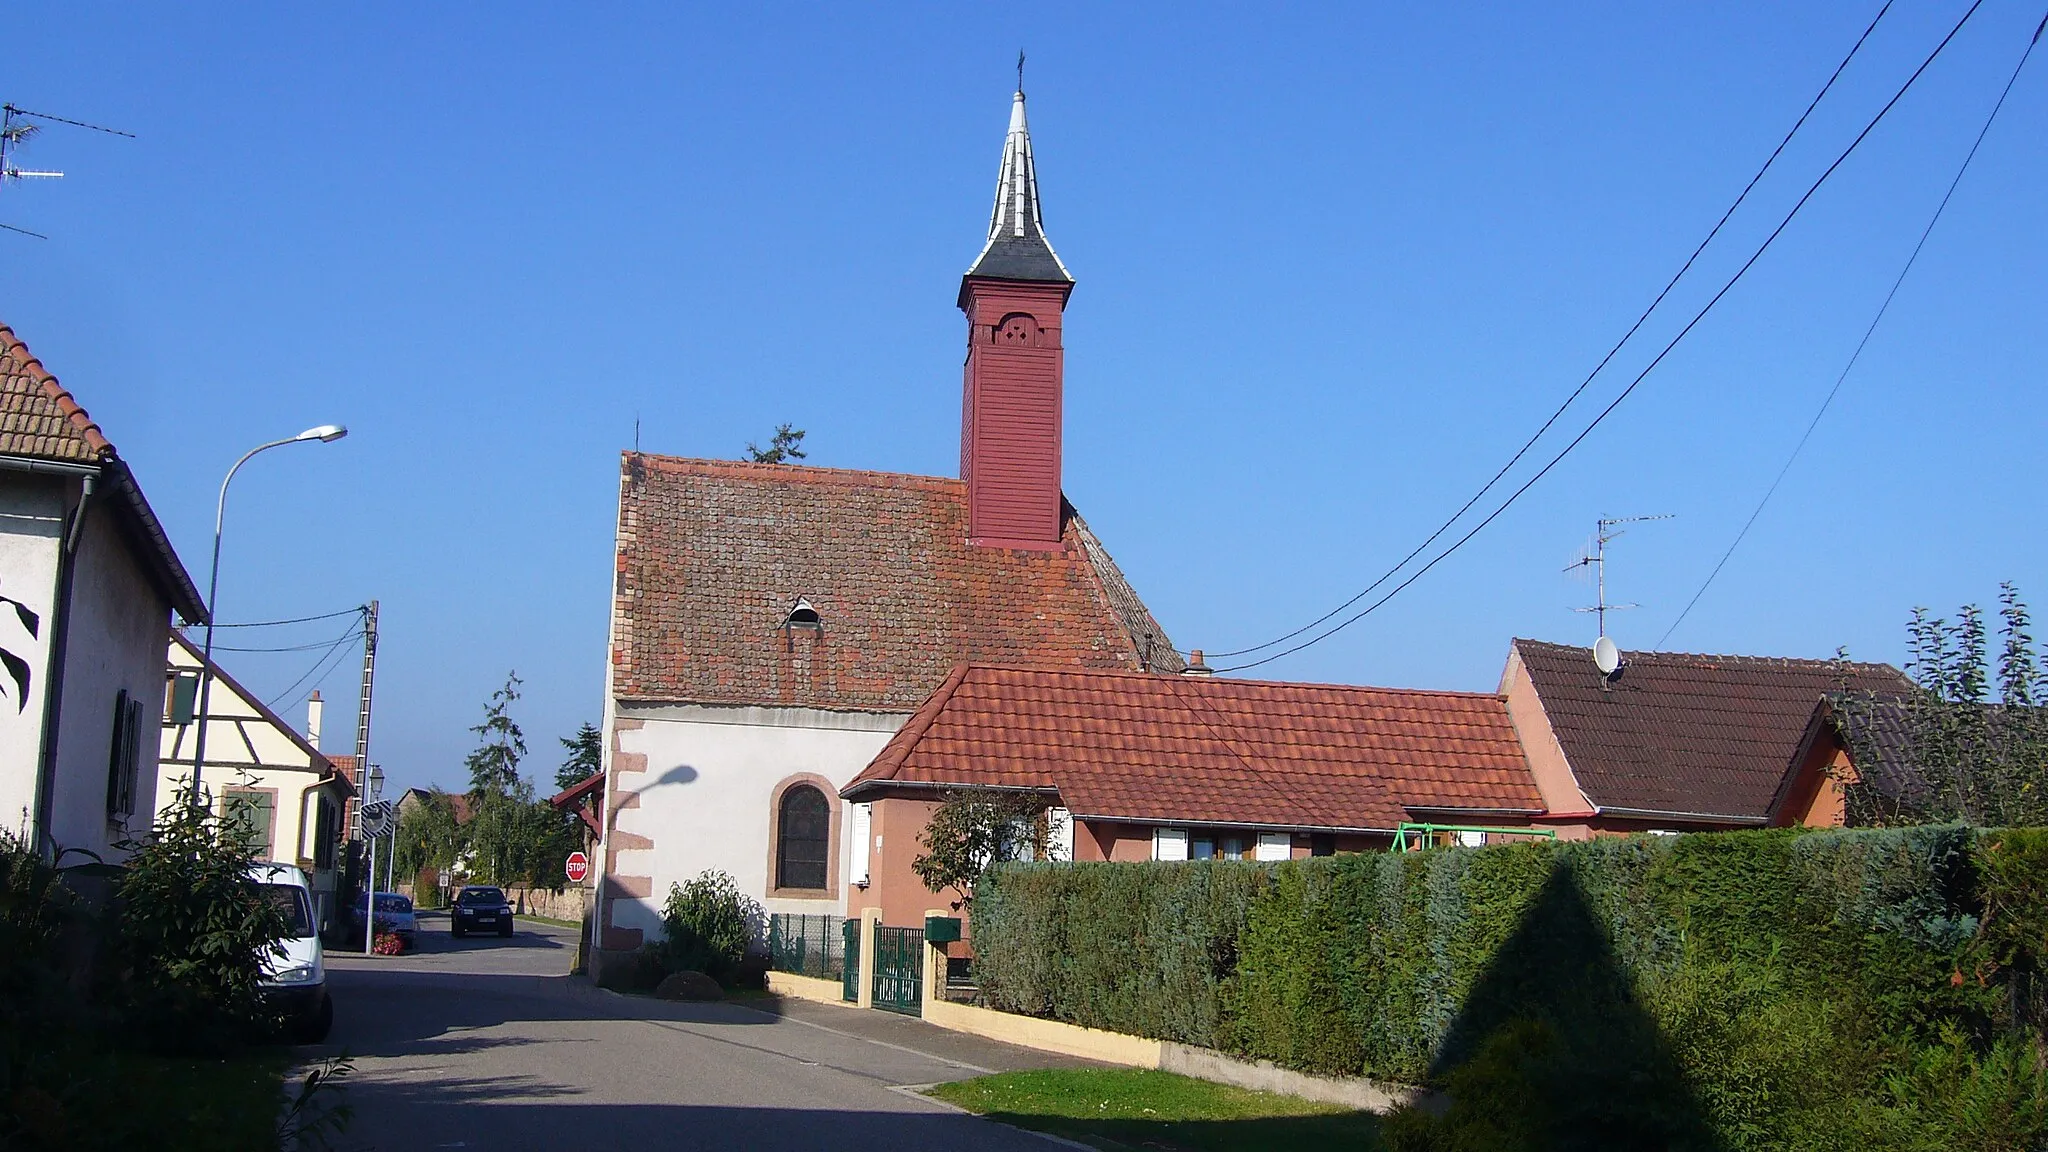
{"points": [[373, 791], [326, 434]]}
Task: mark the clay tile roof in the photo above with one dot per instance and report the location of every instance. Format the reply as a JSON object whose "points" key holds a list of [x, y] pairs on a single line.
{"points": [[1161, 748], [1684, 733], [713, 554], [38, 418]]}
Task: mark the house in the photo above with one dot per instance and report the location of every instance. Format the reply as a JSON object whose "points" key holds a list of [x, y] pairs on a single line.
{"points": [[1145, 766], [259, 772], [773, 626], [88, 583], [1681, 742]]}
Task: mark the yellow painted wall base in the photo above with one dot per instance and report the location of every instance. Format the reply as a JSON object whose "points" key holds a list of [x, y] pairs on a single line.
{"points": [[807, 988], [1045, 1035]]}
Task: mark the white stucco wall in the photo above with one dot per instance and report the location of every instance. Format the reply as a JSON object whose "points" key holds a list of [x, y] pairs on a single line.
{"points": [[31, 530], [705, 800], [115, 640]]}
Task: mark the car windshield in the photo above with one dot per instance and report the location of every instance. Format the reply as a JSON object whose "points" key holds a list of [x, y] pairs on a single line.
{"points": [[482, 896], [290, 899], [391, 902]]}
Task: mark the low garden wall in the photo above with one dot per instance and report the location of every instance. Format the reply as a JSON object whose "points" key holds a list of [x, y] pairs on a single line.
{"points": [[1762, 989]]}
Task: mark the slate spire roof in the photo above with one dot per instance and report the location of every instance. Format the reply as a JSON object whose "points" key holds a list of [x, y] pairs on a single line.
{"points": [[1017, 248]]}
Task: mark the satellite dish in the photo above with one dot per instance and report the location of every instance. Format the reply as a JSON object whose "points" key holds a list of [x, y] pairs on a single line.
{"points": [[1606, 656]]}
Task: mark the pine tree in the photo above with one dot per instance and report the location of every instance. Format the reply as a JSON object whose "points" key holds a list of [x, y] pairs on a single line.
{"points": [[586, 756]]}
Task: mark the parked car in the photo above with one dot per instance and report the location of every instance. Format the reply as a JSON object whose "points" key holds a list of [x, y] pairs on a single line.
{"points": [[295, 975], [480, 908], [394, 915]]}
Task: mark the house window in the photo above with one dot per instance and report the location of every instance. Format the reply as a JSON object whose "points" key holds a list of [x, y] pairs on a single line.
{"points": [[805, 838], [1202, 848], [1322, 844], [249, 812], [1275, 846], [1232, 848], [863, 824], [1059, 833], [1169, 843], [124, 755]]}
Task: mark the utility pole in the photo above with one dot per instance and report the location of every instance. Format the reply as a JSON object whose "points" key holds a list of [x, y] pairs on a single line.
{"points": [[363, 711]]}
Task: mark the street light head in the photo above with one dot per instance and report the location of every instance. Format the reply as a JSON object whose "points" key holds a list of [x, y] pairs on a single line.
{"points": [[326, 433]]}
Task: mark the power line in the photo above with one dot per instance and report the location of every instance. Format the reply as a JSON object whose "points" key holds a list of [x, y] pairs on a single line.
{"points": [[356, 611], [1604, 360], [1644, 374], [332, 651], [291, 647], [1860, 344]]}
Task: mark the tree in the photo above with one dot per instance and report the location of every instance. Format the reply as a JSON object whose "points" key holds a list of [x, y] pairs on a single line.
{"points": [[586, 756], [428, 837], [1973, 757], [972, 830], [494, 766], [786, 445]]}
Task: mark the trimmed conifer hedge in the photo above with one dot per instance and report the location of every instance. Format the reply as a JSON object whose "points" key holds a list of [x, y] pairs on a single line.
{"points": [[1764, 989]]}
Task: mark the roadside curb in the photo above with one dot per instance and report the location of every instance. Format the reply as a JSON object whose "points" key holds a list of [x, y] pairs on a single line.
{"points": [[919, 1090]]}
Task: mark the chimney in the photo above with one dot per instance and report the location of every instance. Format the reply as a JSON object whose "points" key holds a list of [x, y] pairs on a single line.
{"points": [[1195, 666], [313, 710], [1014, 296]]}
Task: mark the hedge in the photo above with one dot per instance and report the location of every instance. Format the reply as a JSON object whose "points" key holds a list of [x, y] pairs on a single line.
{"points": [[1767, 989]]}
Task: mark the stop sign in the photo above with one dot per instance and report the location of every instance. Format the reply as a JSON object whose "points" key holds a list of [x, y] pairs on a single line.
{"points": [[578, 868]]}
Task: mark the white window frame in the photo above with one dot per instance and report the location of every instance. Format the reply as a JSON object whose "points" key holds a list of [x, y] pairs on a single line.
{"points": [[1059, 833], [1274, 846], [1170, 844], [860, 845]]}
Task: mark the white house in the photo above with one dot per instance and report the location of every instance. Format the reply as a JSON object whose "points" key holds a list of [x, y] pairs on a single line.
{"points": [[774, 625], [259, 770], [89, 582]]}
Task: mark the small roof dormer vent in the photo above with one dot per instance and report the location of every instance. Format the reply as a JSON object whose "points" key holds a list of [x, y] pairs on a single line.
{"points": [[803, 615]]}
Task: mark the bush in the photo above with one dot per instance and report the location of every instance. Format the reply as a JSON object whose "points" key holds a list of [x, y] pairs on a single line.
{"points": [[1748, 990], [190, 934], [708, 925]]}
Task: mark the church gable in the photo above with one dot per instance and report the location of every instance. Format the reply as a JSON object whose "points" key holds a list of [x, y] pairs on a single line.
{"points": [[715, 556]]}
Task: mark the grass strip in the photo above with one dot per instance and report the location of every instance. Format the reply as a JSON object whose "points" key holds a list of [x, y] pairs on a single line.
{"points": [[1120, 1108]]}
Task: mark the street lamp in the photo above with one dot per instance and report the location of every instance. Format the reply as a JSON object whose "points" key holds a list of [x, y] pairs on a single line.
{"points": [[326, 434]]}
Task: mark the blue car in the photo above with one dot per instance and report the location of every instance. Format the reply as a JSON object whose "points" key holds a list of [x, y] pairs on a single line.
{"points": [[480, 908], [394, 915]]}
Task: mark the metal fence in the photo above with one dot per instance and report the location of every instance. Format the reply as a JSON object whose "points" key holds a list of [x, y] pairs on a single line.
{"points": [[808, 945]]}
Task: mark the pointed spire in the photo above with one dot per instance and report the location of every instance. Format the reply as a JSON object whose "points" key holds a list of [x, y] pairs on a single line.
{"points": [[1017, 248]]}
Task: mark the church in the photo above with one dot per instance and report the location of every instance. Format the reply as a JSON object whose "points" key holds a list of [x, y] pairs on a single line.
{"points": [[773, 626]]}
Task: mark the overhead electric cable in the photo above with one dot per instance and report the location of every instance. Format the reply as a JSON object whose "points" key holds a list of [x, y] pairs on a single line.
{"points": [[354, 633], [1644, 374], [324, 657], [1604, 360], [356, 611], [1860, 344]]}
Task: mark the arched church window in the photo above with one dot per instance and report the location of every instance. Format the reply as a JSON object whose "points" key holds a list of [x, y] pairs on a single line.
{"points": [[804, 838]]}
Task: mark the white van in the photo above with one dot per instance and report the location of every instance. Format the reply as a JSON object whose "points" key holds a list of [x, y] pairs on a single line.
{"points": [[295, 983]]}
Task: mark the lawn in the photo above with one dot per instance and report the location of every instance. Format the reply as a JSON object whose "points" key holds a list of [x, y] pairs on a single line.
{"points": [[1119, 1108]]}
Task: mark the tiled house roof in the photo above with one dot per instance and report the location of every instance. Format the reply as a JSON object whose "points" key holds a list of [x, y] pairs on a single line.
{"points": [[1161, 748], [712, 555], [1682, 733], [40, 420]]}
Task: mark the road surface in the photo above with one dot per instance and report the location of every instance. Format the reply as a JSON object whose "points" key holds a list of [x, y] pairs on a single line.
{"points": [[487, 1043]]}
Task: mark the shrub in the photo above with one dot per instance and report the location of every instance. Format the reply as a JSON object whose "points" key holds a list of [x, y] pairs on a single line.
{"points": [[190, 933], [708, 925], [1750, 990]]}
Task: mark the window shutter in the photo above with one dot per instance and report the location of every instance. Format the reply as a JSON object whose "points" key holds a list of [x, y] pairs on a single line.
{"points": [[1060, 833], [1275, 846], [1169, 843], [121, 759], [859, 843]]}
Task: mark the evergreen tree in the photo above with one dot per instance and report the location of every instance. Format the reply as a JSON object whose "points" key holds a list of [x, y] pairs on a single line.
{"points": [[494, 766], [586, 756], [786, 445]]}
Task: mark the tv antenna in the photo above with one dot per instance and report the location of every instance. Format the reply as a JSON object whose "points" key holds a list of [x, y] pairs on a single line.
{"points": [[1605, 532], [17, 127]]}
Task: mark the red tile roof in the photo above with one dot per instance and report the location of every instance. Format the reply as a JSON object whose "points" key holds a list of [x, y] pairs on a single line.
{"points": [[41, 420], [712, 554], [1149, 747], [1683, 733]]}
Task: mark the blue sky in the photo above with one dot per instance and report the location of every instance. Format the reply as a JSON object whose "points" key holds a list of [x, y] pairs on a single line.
{"points": [[1334, 264]]}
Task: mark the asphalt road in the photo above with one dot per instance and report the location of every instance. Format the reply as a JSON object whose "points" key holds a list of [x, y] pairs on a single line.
{"points": [[488, 1043]]}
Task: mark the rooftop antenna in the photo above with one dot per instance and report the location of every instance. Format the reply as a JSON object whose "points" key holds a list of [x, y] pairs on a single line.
{"points": [[17, 127], [1596, 558]]}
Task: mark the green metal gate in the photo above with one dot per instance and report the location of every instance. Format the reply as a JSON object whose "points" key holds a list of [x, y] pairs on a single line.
{"points": [[849, 978], [899, 969]]}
